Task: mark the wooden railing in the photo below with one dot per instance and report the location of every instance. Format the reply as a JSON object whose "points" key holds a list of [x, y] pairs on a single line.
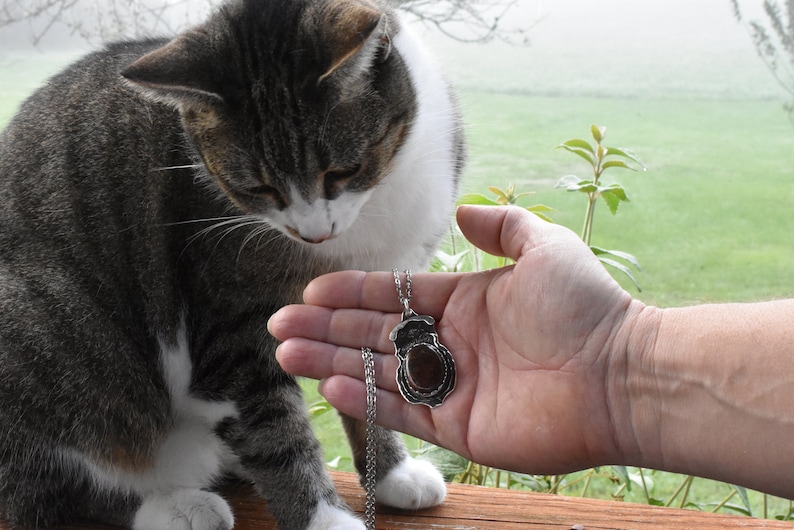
{"points": [[474, 508]]}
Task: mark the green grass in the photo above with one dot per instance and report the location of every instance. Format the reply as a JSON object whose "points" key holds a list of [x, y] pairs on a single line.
{"points": [[709, 221], [711, 218]]}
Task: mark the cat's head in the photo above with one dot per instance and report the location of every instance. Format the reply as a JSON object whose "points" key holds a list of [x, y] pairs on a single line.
{"points": [[296, 107]]}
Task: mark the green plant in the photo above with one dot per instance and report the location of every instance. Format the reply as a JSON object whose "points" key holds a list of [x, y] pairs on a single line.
{"points": [[601, 158], [505, 197], [456, 260]]}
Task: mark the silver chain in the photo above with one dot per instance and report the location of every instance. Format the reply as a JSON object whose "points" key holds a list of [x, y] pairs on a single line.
{"points": [[369, 379], [372, 446], [405, 299]]}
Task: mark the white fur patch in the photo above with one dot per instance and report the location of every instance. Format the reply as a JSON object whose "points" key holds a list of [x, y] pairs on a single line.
{"points": [[412, 485], [178, 372], [329, 517], [320, 220], [191, 455], [184, 510], [408, 210]]}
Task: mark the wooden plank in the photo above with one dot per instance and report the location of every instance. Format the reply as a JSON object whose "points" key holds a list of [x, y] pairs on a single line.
{"points": [[476, 508]]}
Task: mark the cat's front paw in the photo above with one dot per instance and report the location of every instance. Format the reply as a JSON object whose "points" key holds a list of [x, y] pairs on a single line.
{"points": [[412, 485], [329, 517], [184, 510]]}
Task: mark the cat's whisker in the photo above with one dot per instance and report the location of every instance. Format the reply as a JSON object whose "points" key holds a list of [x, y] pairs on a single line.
{"points": [[321, 136], [203, 233], [372, 212], [206, 231], [273, 237], [173, 168], [225, 222], [257, 232], [246, 221], [432, 156], [207, 220]]}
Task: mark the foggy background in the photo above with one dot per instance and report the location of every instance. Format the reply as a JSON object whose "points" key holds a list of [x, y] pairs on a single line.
{"points": [[623, 48], [605, 48]]}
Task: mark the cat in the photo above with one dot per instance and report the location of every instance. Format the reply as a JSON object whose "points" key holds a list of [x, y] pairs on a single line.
{"points": [[159, 200]]}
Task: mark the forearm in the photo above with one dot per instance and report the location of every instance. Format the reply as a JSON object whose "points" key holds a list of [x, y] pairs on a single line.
{"points": [[710, 392]]}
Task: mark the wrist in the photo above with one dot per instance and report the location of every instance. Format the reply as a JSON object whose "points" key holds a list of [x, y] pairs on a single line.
{"points": [[705, 391], [630, 386]]}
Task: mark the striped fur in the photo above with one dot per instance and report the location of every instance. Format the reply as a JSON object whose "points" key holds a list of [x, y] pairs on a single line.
{"points": [[159, 200]]}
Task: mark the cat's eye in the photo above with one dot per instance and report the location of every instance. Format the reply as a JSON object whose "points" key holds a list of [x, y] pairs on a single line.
{"points": [[336, 179], [267, 191], [336, 175]]}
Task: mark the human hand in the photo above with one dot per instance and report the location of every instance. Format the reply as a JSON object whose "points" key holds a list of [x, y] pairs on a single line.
{"points": [[536, 346]]}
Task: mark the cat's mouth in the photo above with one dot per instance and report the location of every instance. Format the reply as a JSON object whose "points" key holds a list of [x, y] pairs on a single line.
{"points": [[313, 239]]}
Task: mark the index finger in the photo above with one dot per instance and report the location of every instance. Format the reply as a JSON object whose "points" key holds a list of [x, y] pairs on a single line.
{"points": [[376, 291]]}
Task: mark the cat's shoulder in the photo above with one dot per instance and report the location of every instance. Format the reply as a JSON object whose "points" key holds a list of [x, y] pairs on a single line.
{"points": [[95, 69], [89, 86], [106, 62]]}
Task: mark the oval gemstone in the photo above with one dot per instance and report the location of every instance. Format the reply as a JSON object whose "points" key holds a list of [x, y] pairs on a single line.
{"points": [[424, 368]]}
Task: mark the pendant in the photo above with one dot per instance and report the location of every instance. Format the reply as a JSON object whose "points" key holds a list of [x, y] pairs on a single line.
{"points": [[426, 374]]}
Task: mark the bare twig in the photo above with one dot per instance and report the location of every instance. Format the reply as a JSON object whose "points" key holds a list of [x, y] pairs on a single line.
{"points": [[467, 20], [774, 41], [463, 20]]}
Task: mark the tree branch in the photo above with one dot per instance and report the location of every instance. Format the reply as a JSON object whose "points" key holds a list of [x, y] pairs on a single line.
{"points": [[775, 46], [466, 20], [13, 11], [462, 20]]}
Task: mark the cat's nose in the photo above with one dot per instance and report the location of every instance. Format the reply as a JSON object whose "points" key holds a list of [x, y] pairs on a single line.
{"points": [[313, 238], [316, 240]]}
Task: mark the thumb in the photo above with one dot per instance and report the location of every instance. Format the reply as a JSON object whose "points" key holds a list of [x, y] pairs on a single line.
{"points": [[498, 230]]}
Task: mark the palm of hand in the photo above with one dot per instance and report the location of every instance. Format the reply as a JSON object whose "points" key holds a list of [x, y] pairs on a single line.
{"points": [[531, 343], [531, 371]]}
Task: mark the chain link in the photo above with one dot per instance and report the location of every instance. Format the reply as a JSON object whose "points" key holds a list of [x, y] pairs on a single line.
{"points": [[372, 446], [405, 299], [369, 379]]}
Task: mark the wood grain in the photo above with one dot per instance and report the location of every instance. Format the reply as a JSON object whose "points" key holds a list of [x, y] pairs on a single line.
{"points": [[474, 508]]}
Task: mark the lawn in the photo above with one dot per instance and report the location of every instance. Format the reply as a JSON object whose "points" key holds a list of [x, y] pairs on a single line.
{"points": [[711, 219]]}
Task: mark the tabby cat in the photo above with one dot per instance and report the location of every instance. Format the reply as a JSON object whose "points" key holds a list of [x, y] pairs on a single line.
{"points": [[159, 200]]}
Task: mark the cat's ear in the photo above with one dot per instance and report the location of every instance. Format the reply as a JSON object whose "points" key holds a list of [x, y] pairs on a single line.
{"points": [[178, 73], [353, 31]]}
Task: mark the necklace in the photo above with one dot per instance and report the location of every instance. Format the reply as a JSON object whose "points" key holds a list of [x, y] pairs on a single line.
{"points": [[426, 376], [405, 299], [372, 447]]}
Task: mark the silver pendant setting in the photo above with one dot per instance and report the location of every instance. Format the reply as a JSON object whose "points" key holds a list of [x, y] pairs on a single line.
{"points": [[426, 374]]}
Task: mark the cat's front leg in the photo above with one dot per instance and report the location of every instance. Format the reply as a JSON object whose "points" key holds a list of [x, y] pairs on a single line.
{"points": [[278, 451], [402, 481]]}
